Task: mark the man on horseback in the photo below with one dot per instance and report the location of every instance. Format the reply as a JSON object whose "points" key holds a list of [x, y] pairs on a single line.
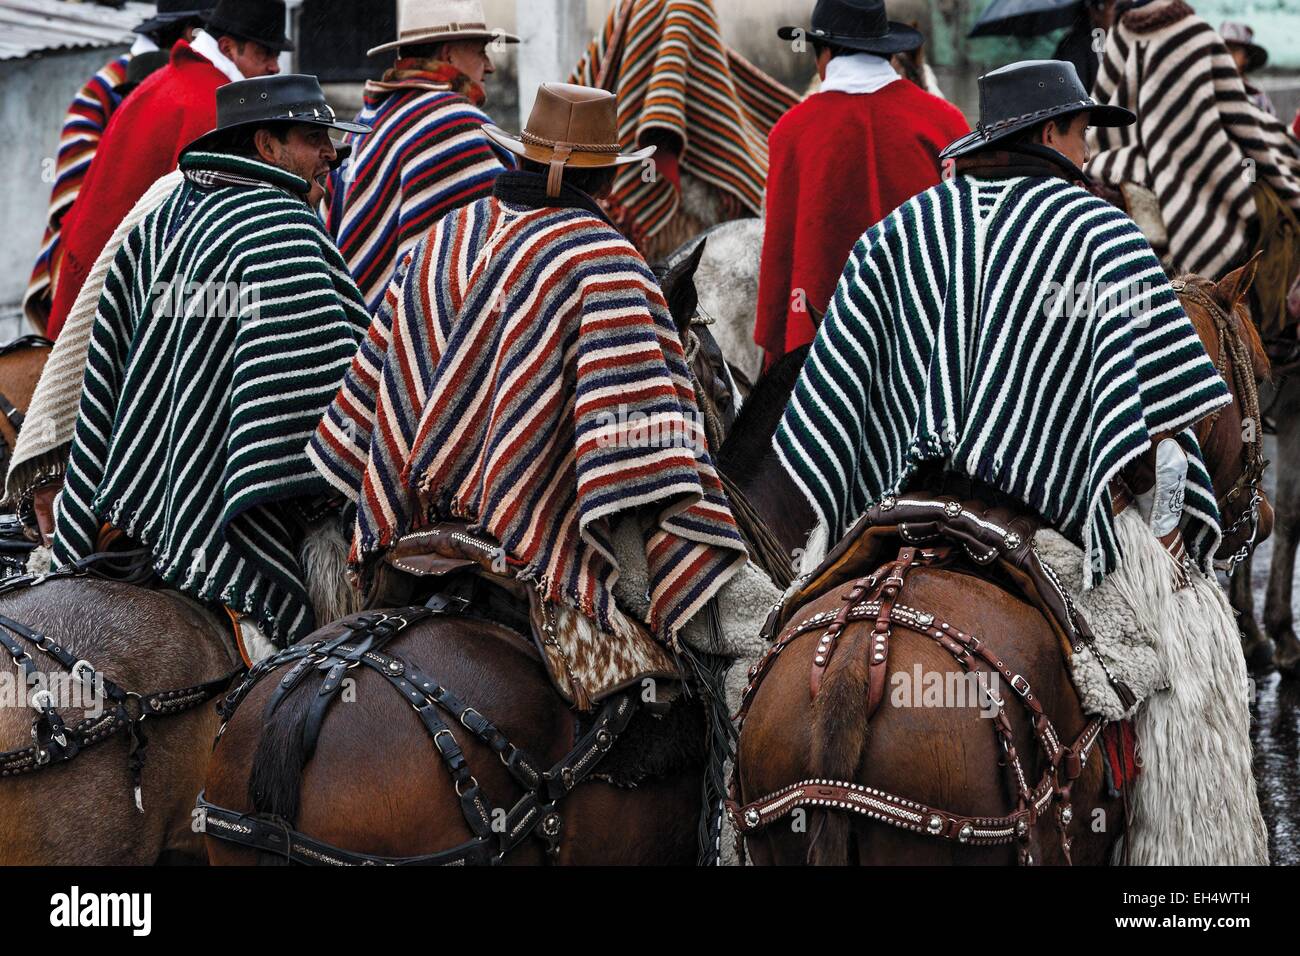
{"points": [[524, 376], [427, 153], [84, 126], [840, 161], [222, 331], [1220, 176], [1008, 335]]}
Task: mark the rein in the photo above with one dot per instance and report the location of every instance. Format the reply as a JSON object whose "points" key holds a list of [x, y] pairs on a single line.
{"points": [[497, 829], [53, 740], [1234, 356]]}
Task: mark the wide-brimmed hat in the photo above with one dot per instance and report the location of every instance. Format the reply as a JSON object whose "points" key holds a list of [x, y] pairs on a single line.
{"points": [[1025, 94], [174, 11], [1235, 33], [285, 98], [261, 21], [441, 21], [570, 126], [856, 25]]}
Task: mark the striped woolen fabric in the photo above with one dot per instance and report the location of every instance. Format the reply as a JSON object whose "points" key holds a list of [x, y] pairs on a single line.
{"points": [[426, 156], [1199, 144], [500, 384], [194, 423], [672, 72], [82, 128], [1022, 331]]}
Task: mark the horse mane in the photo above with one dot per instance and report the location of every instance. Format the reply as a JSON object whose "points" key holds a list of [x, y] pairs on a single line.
{"points": [[751, 436]]}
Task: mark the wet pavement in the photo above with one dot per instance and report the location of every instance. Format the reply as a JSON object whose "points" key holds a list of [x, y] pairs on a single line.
{"points": [[1275, 725]]}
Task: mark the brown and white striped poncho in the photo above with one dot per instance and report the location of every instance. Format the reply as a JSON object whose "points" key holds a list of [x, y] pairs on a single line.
{"points": [[671, 70], [1199, 144]]}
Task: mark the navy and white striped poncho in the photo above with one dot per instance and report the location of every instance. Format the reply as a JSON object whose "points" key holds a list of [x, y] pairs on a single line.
{"points": [[1021, 329]]}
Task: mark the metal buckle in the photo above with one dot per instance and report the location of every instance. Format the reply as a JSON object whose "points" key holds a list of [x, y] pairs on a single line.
{"points": [[466, 713], [1022, 691]]}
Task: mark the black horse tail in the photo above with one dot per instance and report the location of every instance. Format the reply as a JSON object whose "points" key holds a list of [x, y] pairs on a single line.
{"points": [[275, 780]]}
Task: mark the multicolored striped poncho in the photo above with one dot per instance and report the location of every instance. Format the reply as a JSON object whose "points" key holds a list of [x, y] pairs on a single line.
{"points": [[224, 329], [85, 123], [425, 156], [525, 375], [1021, 330], [666, 61]]}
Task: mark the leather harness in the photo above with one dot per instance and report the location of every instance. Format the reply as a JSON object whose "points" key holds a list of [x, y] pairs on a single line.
{"points": [[363, 644], [877, 598], [53, 741]]}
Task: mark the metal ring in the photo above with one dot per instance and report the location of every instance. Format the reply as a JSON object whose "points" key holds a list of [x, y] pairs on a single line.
{"points": [[456, 784]]}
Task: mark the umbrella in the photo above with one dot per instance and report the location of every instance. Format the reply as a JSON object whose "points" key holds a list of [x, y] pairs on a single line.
{"points": [[1026, 18]]}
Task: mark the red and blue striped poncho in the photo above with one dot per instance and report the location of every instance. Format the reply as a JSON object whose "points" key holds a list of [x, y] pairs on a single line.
{"points": [[426, 156], [82, 128], [525, 374]]}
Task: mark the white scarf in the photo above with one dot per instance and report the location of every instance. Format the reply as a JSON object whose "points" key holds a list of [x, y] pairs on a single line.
{"points": [[206, 46], [858, 73]]}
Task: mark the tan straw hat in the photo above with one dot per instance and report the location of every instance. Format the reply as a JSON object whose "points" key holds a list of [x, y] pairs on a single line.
{"points": [[570, 126], [441, 21]]}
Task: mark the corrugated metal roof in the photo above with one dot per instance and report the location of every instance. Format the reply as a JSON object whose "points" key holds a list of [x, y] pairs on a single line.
{"points": [[33, 26]]}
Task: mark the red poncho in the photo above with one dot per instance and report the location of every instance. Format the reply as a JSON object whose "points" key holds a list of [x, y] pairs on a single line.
{"points": [[840, 162], [143, 143]]}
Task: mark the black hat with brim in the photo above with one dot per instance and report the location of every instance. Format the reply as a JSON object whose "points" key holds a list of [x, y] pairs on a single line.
{"points": [[284, 98], [860, 25], [162, 21], [1256, 55], [1027, 94], [261, 21]]}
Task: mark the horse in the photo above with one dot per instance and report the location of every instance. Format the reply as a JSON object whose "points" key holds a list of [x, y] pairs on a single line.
{"points": [[21, 362], [939, 757], [85, 811], [274, 771]]}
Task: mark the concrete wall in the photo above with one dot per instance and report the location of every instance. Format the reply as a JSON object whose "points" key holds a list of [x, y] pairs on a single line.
{"points": [[34, 96]]}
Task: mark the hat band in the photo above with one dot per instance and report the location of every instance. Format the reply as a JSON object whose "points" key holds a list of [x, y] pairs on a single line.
{"points": [[987, 129], [533, 140], [441, 28]]}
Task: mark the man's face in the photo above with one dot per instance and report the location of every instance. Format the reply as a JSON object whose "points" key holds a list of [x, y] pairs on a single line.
{"points": [[471, 58], [250, 57], [1240, 57], [1072, 142], [306, 151]]}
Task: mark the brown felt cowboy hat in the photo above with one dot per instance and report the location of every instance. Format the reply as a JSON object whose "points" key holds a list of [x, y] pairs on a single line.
{"points": [[573, 126], [441, 21]]}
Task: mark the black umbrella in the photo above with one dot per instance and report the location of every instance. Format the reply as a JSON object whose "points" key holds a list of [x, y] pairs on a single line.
{"points": [[1026, 18]]}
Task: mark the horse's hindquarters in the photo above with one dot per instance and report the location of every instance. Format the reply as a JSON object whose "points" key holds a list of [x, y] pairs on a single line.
{"points": [[932, 740]]}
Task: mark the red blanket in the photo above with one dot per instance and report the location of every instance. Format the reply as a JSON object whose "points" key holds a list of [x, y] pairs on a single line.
{"points": [[143, 143], [840, 163]]}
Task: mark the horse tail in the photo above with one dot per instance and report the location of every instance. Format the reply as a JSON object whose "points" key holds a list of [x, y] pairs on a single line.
{"points": [[839, 739], [275, 780]]}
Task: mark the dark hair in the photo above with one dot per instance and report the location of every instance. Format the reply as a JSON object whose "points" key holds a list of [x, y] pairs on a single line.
{"points": [[422, 51], [593, 181], [239, 41], [836, 50], [242, 141], [1035, 133], [167, 34]]}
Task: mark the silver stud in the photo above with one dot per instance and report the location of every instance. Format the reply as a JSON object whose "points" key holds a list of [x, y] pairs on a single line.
{"points": [[935, 825], [888, 503], [878, 659], [965, 833], [819, 659], [1022, 827], [1067, 814], [925, 619], [953, 509]]}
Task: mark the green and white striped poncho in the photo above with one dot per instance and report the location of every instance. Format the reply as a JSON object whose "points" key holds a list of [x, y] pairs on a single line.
{"points": [[1023, 331], [224, 329]]}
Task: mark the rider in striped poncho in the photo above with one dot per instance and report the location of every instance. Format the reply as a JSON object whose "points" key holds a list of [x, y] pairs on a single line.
{"points": [[223, 330], [526, 376], [427, 153]]}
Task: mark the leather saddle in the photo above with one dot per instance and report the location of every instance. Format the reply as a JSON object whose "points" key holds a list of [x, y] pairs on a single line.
{"points": [[994, 541], [584, 666]]}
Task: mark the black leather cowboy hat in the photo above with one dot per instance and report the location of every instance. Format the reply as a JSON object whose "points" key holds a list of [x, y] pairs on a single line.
{"points": [[856, 25], [285, 98], [173, 11], [261, 21], [1025, 94]]}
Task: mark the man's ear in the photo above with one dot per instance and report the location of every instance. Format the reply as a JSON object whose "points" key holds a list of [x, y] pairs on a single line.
{"points": [[263, 140]]}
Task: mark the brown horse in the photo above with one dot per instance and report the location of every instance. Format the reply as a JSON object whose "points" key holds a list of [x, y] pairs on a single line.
{"points": [[945, 757], [83, 811], [21, 362], [642, 805]]}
